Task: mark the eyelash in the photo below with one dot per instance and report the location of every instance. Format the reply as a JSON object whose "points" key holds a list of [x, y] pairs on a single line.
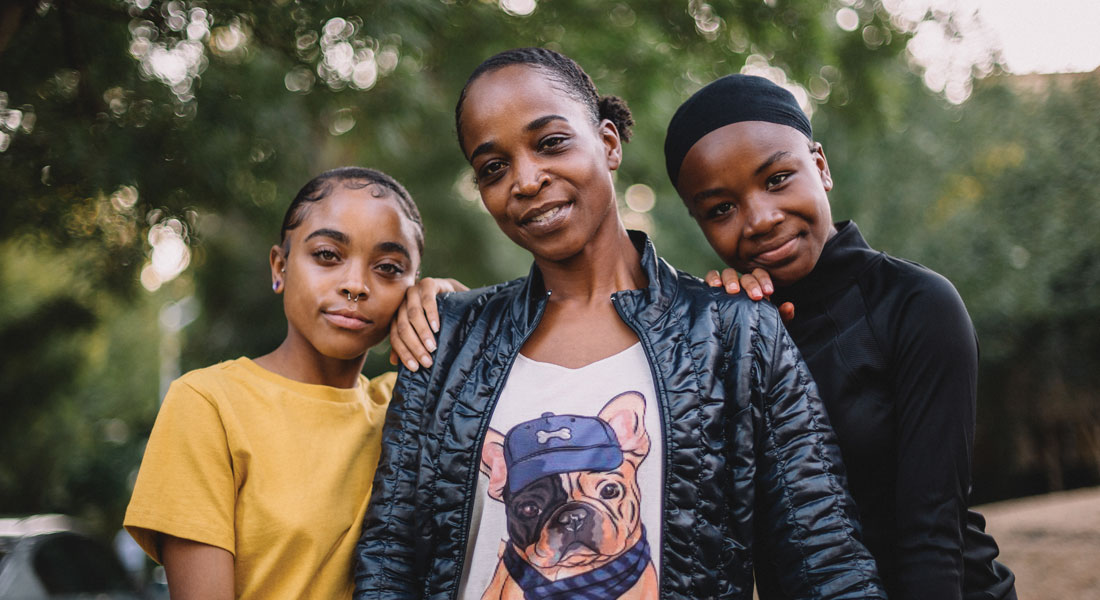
{"points": [[713, 212], [484, 174], [325, 254], [781, 177], [552, 142], [391, 269]]}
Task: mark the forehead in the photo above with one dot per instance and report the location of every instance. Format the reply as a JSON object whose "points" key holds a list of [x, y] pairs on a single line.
{"points": [[515, 94], [738, 146], [370, 214]]}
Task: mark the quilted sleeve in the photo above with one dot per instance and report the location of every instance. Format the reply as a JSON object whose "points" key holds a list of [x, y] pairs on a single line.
{"points": [[804, 512], [385, 566]]}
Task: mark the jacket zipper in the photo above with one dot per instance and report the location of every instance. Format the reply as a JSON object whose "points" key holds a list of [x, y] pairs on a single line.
{"points": [[662, 403], [471, 482]]}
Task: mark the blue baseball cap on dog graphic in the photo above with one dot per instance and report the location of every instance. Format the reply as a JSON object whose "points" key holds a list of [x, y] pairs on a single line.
{"points": [[555, 444]]}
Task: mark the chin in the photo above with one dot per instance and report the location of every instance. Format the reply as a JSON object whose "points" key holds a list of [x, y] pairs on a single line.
{"points": [[345, 351], [557, 248]]}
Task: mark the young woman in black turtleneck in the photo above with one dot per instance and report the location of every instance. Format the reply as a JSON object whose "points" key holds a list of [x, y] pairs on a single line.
{"points": [[888, 341]]}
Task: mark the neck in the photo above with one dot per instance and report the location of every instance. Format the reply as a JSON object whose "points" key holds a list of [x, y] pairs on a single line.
{"points": [[310, 366], [608, 264]]}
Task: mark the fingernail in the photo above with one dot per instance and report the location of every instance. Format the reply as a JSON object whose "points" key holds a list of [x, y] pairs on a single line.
{"points": [[732, 288], [426, 360], [435, 328], [411, 365], [429, 344], [755, 295], [768, 289]]}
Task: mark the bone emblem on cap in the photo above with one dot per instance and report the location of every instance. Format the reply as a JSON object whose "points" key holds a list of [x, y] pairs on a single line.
{"points": [[562, 434]]}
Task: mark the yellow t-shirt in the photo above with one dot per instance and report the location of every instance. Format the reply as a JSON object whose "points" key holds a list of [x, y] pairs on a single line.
{"points": [[275, 471]]}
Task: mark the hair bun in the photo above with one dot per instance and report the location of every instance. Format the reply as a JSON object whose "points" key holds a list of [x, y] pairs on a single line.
{"points": [[614, 109]]}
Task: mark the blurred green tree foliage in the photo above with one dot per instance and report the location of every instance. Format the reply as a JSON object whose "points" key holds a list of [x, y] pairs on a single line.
{"points": [[1002, 195], [148, 149]]}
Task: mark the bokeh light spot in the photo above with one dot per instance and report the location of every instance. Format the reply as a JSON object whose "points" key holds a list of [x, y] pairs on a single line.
{"points": [[847, 19], [170, 255], [518, 8], [640, 198], [342, 122]]}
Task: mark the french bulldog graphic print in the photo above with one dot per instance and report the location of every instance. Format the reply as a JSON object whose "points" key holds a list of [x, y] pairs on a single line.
{"points": [[565, 486]]}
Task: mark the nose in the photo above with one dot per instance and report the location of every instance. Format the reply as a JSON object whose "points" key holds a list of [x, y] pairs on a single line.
{"points": [[572, 520], [355, 287], [761, 214], [530, 178]]}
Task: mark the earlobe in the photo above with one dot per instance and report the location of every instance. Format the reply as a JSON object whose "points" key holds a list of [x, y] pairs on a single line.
{"points": [[278, 268]]}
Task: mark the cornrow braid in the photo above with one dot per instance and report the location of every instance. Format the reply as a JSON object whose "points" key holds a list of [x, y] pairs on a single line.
{"points": [[353, 178], [564, 71]]}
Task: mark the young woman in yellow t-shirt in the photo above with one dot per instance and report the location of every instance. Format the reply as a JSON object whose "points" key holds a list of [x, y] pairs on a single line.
{"points": [[257, 472]]}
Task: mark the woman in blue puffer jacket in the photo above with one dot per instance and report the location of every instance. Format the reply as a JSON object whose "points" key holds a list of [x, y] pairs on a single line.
{"points": [[606, 427]]}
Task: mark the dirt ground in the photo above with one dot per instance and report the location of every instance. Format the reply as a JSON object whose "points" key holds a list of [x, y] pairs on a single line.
{"points": [[1051, 542]]}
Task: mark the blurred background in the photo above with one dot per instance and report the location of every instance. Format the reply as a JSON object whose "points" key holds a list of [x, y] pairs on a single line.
{"points": [[148, 150]]}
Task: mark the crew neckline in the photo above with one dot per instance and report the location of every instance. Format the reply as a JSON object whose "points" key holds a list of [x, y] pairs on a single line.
{"points": [[629, 349], [313, 390]]}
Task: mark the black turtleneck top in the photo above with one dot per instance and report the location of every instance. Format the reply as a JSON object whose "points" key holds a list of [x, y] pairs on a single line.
{"points": [[895, 358]]}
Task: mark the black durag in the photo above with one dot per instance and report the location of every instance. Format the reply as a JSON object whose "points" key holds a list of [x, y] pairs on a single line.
{"points": [[731, 99]]}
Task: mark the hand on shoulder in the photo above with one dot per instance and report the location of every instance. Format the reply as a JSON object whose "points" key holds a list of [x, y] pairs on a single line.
{"points": [[757, 286]]}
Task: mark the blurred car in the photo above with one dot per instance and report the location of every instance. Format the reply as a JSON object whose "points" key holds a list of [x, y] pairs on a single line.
{"points": [[47, 556]]}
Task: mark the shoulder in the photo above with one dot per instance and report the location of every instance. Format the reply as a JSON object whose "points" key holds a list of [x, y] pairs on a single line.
{"points": [[380, 388], [213, 379], [904, 290], [460, 305], [228, 370], [916, 314], [693, 291], [221, 386], [734, 314]]}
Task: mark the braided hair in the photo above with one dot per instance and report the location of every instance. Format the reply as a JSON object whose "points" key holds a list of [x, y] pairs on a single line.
{"points": [[352, 178], [564, 71]]}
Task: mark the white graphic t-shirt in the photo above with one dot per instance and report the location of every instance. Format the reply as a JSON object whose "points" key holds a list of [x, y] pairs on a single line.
{"points": [[568, 501]]}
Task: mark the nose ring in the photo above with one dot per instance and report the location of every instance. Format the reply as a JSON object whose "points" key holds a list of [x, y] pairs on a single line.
{"points": [[350, 299]]}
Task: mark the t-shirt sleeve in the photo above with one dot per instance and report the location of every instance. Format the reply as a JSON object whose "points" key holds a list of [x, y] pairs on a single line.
{"points": [[185, 486]]}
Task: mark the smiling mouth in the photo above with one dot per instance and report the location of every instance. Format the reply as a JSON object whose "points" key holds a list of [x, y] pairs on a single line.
{"points": [[777, 254], [547, 216]]}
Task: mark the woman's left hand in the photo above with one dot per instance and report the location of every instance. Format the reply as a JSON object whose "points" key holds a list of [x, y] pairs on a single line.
{"points": [[412, 332]]}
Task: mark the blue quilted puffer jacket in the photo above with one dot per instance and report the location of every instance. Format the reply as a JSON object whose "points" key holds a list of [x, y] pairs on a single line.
{"points": [[749, 456]]}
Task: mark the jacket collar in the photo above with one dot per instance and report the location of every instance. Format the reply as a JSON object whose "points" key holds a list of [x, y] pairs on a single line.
{"points": [[658, 294]]}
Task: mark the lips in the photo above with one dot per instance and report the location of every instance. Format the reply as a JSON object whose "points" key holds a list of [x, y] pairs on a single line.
{"points": [[777, 253], [346, 319], [547, 216]]}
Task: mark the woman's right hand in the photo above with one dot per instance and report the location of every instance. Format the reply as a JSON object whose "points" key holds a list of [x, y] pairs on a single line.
{"points": [[757, 285], [412, 332]]}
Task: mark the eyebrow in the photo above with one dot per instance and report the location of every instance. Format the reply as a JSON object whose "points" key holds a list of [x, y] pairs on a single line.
{"points": [[339, 236], [342, 238], [771, 160], [532, 126], [394, 247], [706, 194], [543, 121]]}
